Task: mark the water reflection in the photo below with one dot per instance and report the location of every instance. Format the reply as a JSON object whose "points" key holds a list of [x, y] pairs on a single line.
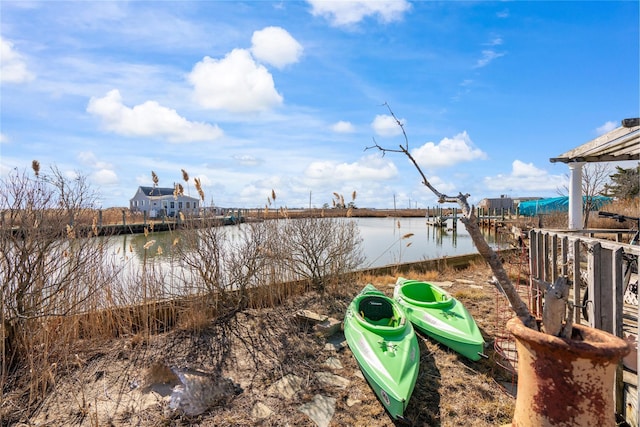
{"points": [[386, 241]]}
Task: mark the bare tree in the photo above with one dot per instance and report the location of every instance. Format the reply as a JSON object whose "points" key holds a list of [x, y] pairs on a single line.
{"points": [[595, 177], [469, 219]]}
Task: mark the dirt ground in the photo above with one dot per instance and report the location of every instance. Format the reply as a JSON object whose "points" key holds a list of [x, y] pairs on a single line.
{"points": [[130, 381]]}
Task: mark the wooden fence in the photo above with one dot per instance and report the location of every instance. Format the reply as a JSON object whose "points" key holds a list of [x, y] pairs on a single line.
{"points": [[596, 266]]}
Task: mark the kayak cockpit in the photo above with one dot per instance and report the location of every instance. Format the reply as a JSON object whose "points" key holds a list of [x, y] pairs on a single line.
{"points": [[425, 295], [379, 311]]}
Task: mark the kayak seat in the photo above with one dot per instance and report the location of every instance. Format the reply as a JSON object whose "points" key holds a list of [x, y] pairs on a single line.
{"points": [[376, 308]]}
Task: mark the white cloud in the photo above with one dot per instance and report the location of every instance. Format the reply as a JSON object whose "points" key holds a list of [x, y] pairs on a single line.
{"points": [[246, 160], [521, 169], [235, 83], [148, 119], [607, 127], [275, 46], [3, 138], [525, 177], [497, 41], [105, 177], [448, 152], [368, 168], [487, 56], [13, 68], [342, 127], [386, 125], [343, 13], [104, 174], [89, 159]]}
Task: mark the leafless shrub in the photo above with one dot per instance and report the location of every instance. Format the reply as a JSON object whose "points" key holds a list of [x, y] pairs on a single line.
{"points": [[317, 249], [47, 271]]}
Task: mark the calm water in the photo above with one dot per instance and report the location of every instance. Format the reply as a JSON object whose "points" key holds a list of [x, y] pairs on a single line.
{"points": [[386, 241], [400, 240]]}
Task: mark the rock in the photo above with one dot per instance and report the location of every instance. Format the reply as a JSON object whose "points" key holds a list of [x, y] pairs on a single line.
{"points": [[310, 316], [320, 410], [330, 379], [351, 401], [260, 411], [287, 387], [336, 343], [333, 363], [328, 327]]}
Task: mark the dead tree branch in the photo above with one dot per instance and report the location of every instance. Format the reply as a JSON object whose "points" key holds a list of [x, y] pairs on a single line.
{"points": [[469, 219]]}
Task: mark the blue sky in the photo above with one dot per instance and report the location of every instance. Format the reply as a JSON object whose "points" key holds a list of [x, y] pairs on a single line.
{"points": [[256, 96]]}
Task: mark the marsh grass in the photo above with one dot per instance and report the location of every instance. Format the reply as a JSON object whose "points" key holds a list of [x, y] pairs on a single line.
{"points": [[62, 291]]}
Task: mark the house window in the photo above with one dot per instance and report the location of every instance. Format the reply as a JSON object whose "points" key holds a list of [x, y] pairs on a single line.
{"points": [[173, 205], [195, 205], [188, 205], [179, 205]]}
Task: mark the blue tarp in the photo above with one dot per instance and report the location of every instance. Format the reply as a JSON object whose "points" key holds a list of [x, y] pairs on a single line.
{"points": [[557, 204]]}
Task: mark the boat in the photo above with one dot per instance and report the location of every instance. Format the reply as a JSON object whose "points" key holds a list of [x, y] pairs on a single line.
{"points": [[385, 346], [439, 315]]}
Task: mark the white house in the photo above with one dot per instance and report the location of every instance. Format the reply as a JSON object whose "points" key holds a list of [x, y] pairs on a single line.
{"points": [[157, 202]]}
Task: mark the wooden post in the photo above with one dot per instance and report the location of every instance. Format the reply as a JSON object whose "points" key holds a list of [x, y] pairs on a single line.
{"points": [[593, 276], [564, 256], [617, 288], [455, 218], [617, 299], [541, 269], [100, 218], [124, 218], [577, 298], [554, 258]]}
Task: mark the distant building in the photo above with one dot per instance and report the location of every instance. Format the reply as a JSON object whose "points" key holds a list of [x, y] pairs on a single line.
{"points": [[519, 200], [503, 202], [158, 202]]}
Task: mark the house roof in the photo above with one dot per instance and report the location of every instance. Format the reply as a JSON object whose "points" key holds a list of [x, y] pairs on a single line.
{"points": [[622, 143], [159, 192]]}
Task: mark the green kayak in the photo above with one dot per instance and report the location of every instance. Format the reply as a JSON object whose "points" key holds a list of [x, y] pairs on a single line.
{"points": [[440, 316], [385, 346]]}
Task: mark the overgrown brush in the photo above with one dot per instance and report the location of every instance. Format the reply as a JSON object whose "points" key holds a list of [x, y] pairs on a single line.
{"points": [[61, 289]]}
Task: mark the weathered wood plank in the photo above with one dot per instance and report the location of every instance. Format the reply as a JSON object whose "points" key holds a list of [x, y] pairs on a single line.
{"points": [[607, 309]]}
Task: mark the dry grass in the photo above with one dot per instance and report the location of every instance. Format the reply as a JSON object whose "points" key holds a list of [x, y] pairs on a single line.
{"points": [[109, 384]]}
